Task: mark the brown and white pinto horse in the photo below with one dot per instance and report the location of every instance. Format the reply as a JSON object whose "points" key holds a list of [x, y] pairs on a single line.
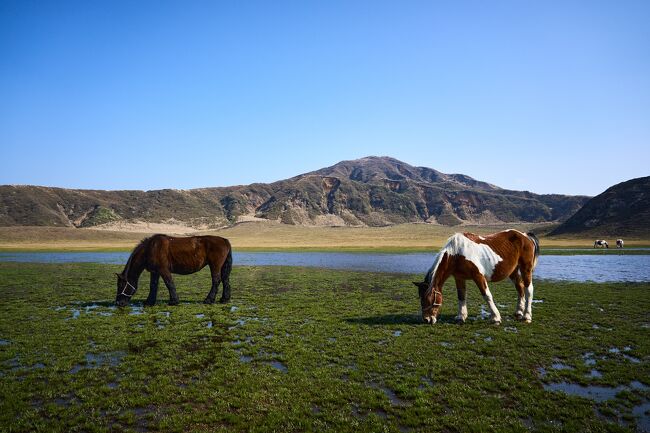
{"points": [[466, 256], [601, 243]]}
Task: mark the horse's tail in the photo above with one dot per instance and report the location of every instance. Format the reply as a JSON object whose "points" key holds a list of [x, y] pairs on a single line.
{"points": [[535, 242], [227, 265]]}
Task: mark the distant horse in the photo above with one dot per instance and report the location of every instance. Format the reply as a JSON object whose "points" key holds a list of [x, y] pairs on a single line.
{"points": [[619, 243], [491, 258], [601, 244], [163, 255]]}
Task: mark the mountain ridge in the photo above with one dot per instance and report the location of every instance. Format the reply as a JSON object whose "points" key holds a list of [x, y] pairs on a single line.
{"points": [[621, 210], [370, 191]]}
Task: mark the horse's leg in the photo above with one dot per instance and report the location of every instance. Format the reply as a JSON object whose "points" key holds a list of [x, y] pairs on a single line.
{"points": [[481, 282], [527, 275], [515, 277], [169, 282], [225, 277], [216, 279], [462, 302], [153, 289]]}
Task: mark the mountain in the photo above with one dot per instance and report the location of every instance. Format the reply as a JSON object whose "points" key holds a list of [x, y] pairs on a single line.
{"points": [[372, 191], [622, 210]]}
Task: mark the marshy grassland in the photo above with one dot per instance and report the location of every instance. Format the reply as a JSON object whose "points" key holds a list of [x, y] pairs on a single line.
{"points": [[315, 350], [269, 236]]}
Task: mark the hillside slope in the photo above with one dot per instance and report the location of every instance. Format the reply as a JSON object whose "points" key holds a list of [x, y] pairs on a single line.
{"points": [[372, 191], [622, 210]]}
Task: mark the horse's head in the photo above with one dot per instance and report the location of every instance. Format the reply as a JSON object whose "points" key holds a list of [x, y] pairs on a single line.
{"points": [[124, 290], [430, 301]]}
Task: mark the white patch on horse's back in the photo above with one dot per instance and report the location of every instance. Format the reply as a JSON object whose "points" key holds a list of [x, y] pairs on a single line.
{"points": [[481, 255]]}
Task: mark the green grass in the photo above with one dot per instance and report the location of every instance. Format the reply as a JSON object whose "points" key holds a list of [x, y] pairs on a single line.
{"points": [[357, 357]]}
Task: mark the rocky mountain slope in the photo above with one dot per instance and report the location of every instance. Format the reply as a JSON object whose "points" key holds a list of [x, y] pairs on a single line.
{"points": [[622, 210], [372, 191]]}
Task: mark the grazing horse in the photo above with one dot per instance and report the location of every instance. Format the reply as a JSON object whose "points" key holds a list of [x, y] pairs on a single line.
{"points": [[163, 255], [465, 256], [601, 244], [619, 243]]}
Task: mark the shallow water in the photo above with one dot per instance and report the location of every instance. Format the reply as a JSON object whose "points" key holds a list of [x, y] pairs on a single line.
{"points": [[598, 268]]}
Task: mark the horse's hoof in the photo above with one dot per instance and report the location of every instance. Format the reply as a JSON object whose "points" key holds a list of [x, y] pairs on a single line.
{"points": [[496, 322], [174, 302], [224, 300], [208, 301], [528, 320], [460, 320], [519, 316]]}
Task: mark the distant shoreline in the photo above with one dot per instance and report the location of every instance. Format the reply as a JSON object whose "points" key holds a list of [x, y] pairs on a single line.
{"points": [[265, 236]]}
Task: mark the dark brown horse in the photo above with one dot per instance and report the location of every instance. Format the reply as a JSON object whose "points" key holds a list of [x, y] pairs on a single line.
{"points": [[467, 256], [164, 255]]}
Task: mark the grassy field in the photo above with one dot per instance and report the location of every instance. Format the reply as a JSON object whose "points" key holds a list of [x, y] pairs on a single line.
{"points": [[315, 350], [273, 236]]}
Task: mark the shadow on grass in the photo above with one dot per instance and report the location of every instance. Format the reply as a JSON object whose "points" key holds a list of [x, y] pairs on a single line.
{"points": [[386, 319], [397, 319]]}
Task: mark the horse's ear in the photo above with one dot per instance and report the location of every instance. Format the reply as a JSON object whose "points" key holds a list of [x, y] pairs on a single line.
{"points": [[416, 284], [118, 275]]}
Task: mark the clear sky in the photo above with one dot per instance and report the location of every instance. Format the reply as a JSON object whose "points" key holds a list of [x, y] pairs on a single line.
{"points": [[545, 96]]}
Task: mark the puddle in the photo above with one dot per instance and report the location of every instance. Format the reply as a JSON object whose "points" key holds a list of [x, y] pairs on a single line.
{"points": [[75, 314], [446, 344], [136, 310], [594, 374], [588, 359], [200, 316], [593, 392], [557, 365], [392, 397], [487, 339], [617, 351], [511, 329], [4, 342], [642, 415], [332, 339], [96, 360], [426, 382], [278, 366], [245, 358], [538, 301], [248, 340], [209, 324], [233, 309], [632, 359], [397, 333], [242, 321], [484, 314], [165, 313], [112, 385]]}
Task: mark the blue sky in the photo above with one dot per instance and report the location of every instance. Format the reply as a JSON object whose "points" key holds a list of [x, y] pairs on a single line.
{"points": [[546, 96]]}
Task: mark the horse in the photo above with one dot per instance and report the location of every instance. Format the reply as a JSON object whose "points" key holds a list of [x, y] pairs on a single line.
{"points": [[163, 255], [601, 243], [492, 258], [619, 243]]}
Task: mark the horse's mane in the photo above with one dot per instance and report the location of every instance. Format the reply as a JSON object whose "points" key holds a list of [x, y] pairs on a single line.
{"points": [[138, 247]]}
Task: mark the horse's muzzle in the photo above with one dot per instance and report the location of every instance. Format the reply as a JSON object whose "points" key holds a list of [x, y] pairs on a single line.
{"points": [[121, 302], [430, 320]]}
